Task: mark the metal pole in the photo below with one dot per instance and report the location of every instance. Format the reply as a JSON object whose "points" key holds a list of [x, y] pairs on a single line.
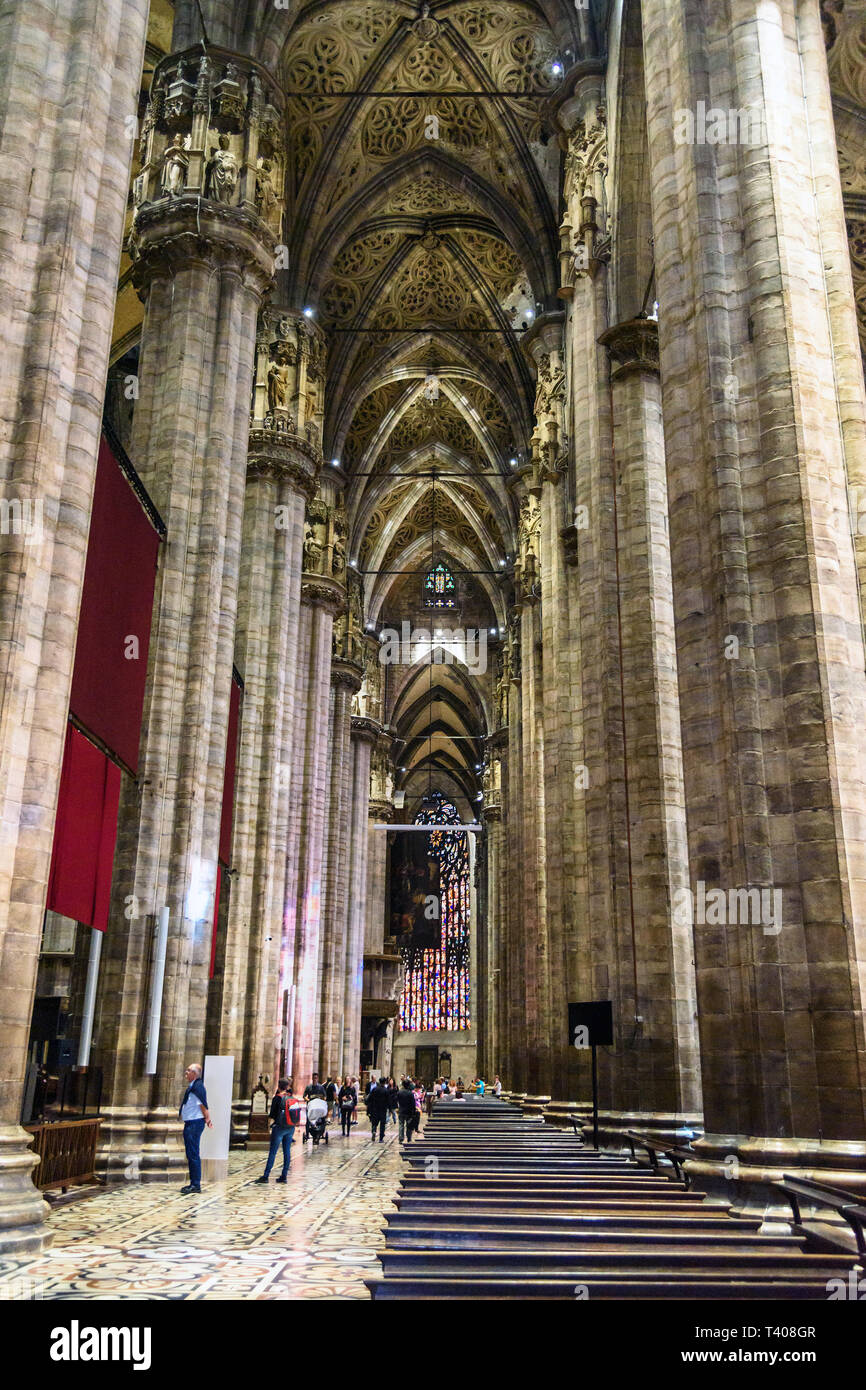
{"points": [[90, 997], [157, 982], [290, 1032]]}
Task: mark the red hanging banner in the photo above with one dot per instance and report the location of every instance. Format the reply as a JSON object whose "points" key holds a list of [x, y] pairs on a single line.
{"points": [[116, 607], [85, 833], [228, 808], [216, 914]]}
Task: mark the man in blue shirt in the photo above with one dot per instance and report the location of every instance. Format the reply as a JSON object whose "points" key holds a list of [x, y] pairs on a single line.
{"points": [[194, 1113]]}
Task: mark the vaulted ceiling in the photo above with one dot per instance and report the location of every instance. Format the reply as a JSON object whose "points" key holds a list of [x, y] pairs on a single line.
{"points": [[423, 202]]}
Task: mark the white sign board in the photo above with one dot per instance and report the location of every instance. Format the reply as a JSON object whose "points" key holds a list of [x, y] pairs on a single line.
{"points": [[218, 1082]]}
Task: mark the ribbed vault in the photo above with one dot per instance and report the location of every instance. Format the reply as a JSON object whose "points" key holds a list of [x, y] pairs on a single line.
{"points": [[422, 233]]}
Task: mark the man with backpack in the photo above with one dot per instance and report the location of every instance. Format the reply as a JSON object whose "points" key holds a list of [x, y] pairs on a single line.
{"points": [[285, 1114], [331, 1096]]}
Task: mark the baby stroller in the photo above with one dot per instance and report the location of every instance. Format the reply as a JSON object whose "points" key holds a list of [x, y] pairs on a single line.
{"points": [[317, 1120]]}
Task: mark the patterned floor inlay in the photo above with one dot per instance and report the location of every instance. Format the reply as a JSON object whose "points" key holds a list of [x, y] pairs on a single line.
{"points": [[315, 1237]]}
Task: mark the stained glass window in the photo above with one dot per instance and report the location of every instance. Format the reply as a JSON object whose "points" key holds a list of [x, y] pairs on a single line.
{"points": [[436, 987], [440, 590]]}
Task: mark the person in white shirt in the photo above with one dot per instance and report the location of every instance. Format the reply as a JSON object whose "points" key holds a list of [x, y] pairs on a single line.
{"points": [[194, 1113]]}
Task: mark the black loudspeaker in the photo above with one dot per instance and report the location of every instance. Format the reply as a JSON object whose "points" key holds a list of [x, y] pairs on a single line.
{"points": [[597, 1018]]}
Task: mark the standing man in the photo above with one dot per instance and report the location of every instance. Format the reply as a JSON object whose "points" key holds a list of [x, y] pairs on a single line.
{"points": [[285, 1113], [406, 1111], [377, 1108], [314, 1088], [331, 1095], [194, 1113]]}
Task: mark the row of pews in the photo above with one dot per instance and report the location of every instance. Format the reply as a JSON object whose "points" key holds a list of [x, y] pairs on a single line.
{"points": [[495, 1205]]}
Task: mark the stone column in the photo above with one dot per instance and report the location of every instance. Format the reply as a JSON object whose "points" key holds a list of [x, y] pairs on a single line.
{"points": [[769, 634], [515, 1034], [336, 902], [490, 959], [550, 449], [202, 264], [322, 597], [365, 733], [658, 1080], [66, 141]]}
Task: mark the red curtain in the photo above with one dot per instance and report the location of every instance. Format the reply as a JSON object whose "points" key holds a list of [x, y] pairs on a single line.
{"points": [[85, 832], [216, 913], [228, 808], [116, 607]]}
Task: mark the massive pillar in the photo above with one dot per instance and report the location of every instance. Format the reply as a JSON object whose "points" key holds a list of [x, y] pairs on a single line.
{"points": [[758, 426], [659, 1080], [516, 1034], [66, 137], [365, 733], [322, 597], [613, 660], [283, 465], [346, 681], [203, 259], [553, 707]]}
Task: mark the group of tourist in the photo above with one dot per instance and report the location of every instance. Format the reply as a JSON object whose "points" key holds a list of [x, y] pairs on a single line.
{"points": [[383, 1100], [402, 1104]]}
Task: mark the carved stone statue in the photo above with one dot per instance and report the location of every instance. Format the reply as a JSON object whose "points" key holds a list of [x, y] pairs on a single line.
{"points": [[175, 165], [501, 701], [222, 173], [267, 203], [338, 557], [315, 536], [313, 551], [278, 380]]}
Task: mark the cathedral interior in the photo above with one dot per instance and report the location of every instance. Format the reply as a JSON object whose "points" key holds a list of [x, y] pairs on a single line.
{"points": [[440, 414]]}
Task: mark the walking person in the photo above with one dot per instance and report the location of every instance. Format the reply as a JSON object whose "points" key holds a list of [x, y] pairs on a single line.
{"points": [[347, 1100], [418, 1096], [392, 1100], [285, 1114], [407, 1111], [314, 1089], [331, 1096], [194, 1113], [354, 1085], [377, 1109]]}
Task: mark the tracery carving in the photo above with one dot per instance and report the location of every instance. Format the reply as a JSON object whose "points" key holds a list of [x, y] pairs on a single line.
{"points": [[845, 24], [495, 259], [368, 417]]}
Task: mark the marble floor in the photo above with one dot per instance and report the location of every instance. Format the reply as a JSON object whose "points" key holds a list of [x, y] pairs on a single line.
{"points": [[314, 1237]]}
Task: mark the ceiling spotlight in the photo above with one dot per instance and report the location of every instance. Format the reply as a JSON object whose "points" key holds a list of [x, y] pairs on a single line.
{"points": [[335, 463], [530, 313], [502, 563], [557, 69], [494, 632], [513, 462], [308, 312]]}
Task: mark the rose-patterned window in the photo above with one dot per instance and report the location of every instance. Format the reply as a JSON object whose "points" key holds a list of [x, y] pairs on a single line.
{"points": [[440, 589]]}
